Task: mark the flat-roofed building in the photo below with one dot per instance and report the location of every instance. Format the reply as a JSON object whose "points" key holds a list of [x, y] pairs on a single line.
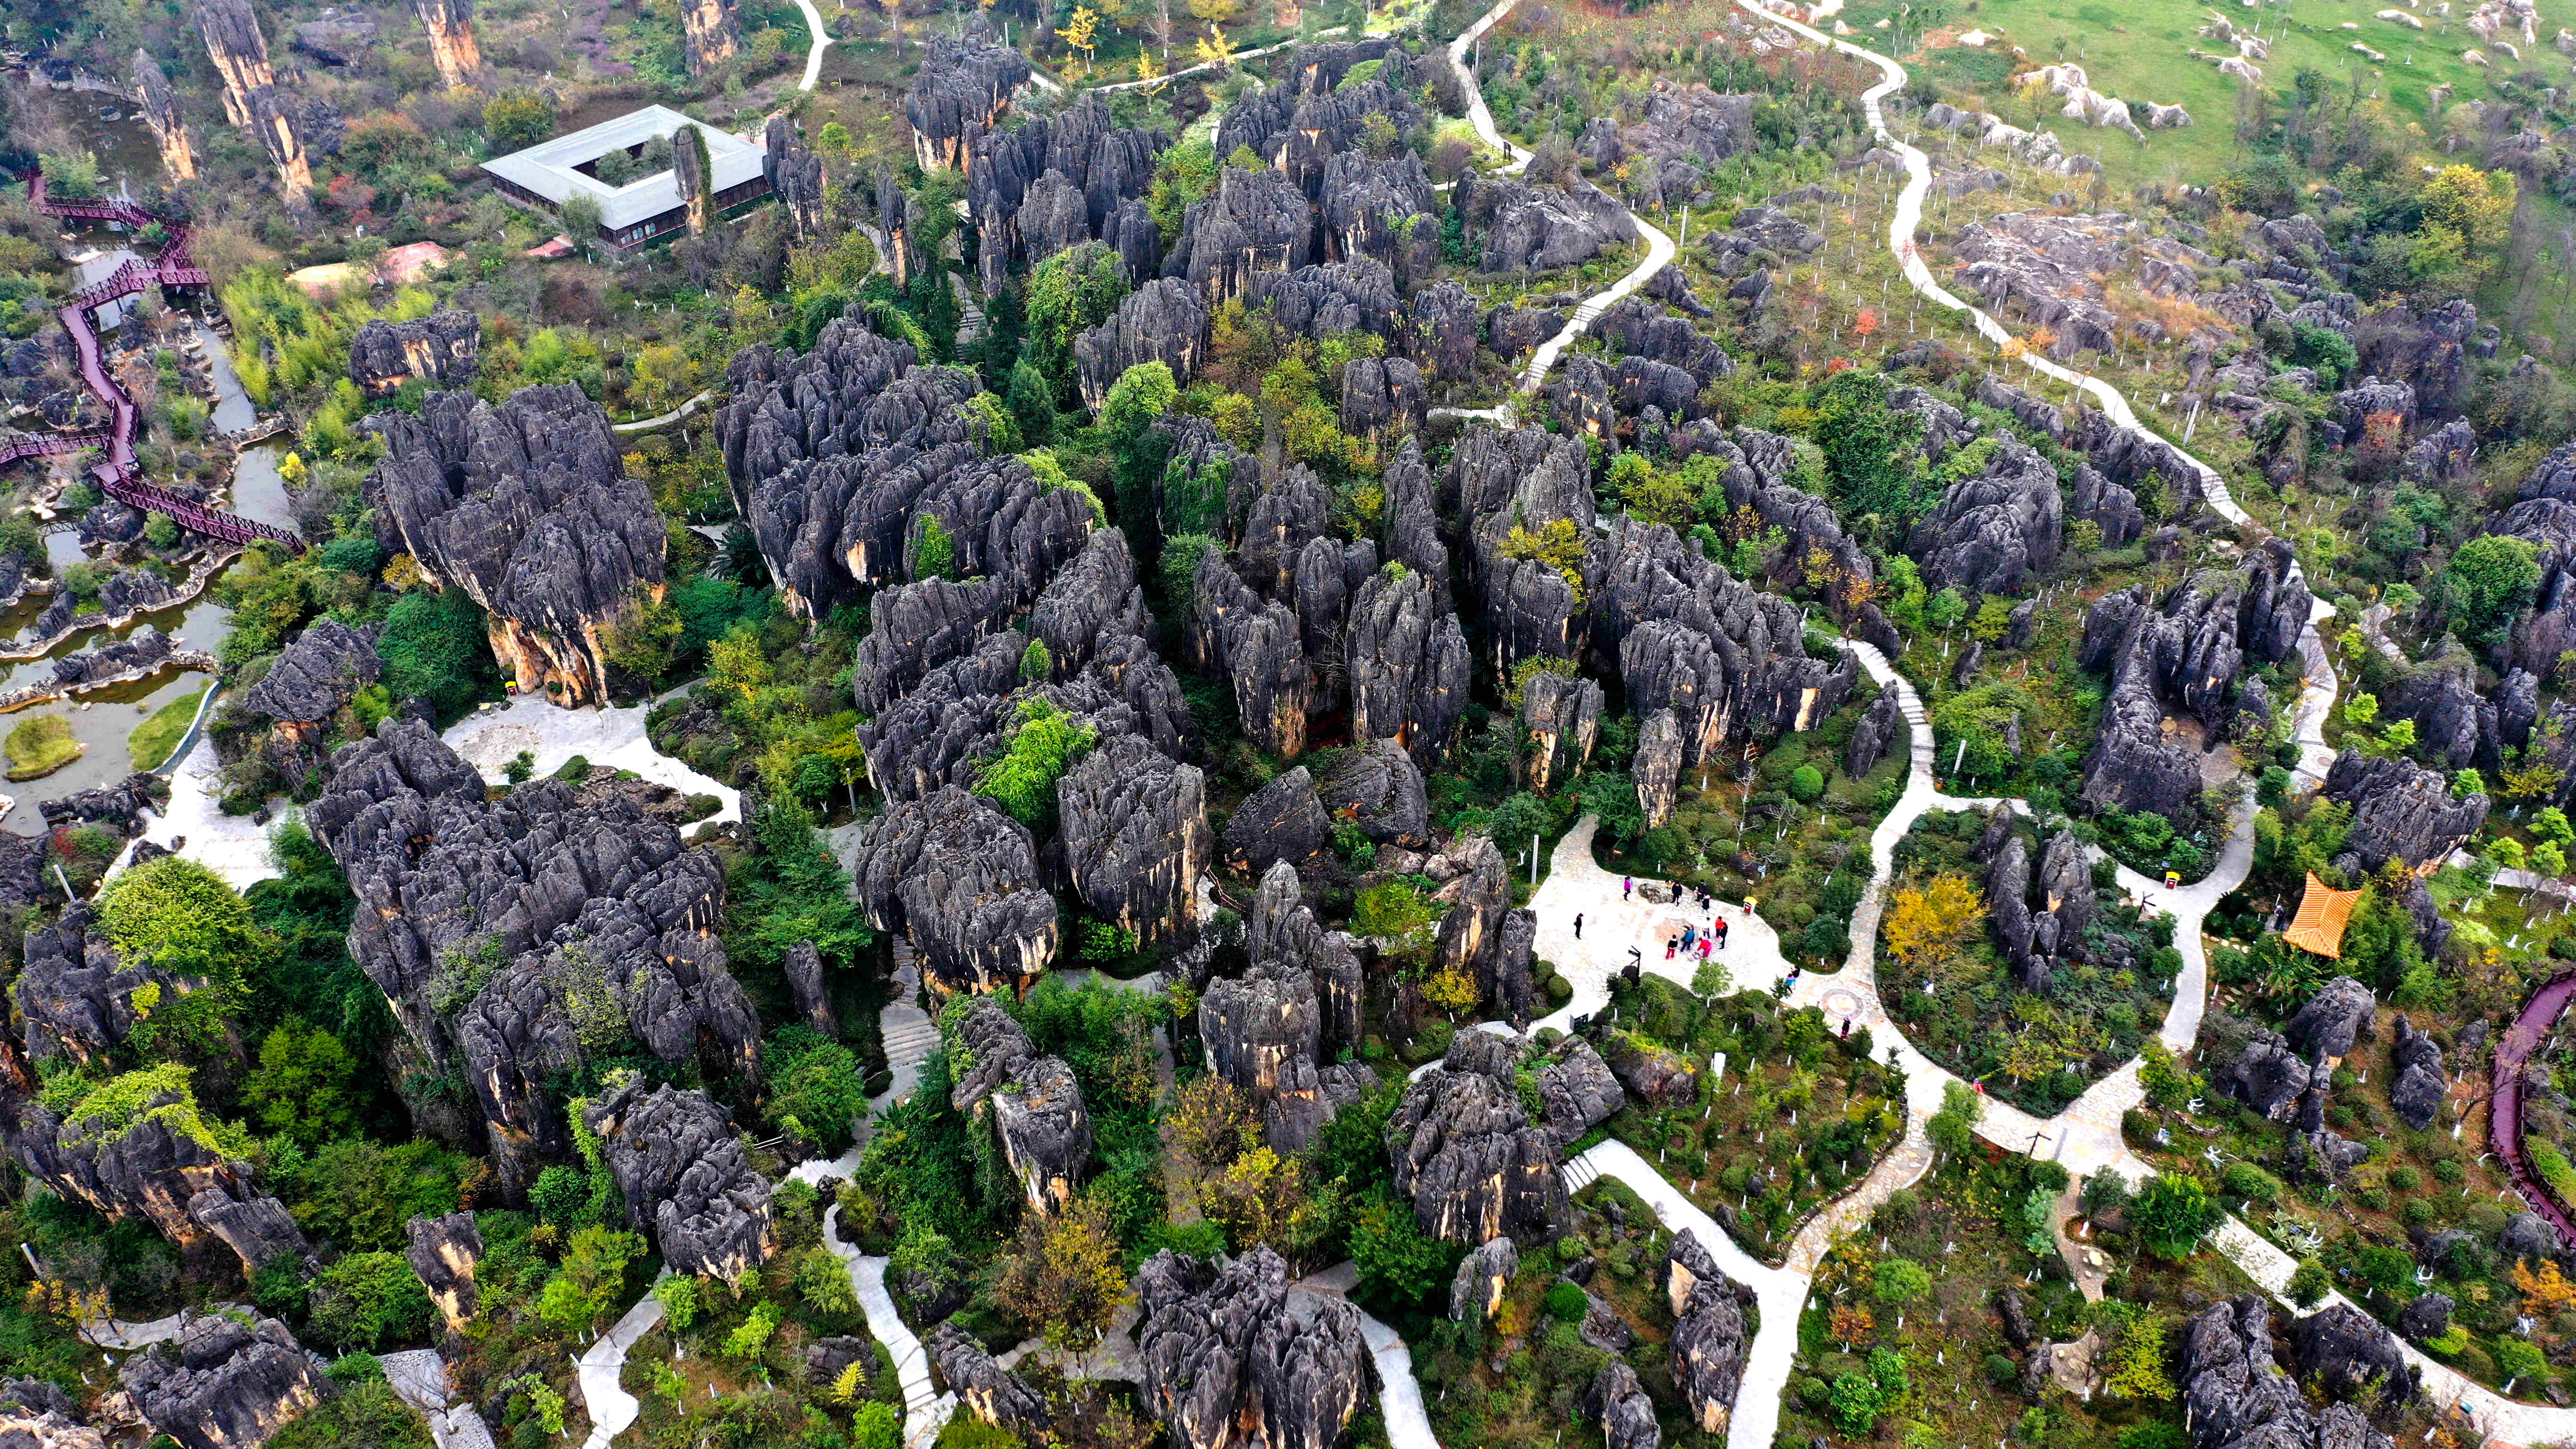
{"points": [[546, 175]]}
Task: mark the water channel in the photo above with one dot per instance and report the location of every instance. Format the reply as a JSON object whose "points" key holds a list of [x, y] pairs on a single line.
{"points": [[103, 720]]}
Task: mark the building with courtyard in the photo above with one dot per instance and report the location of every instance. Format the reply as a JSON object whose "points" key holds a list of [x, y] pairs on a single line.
{"points": [[609, 163]]}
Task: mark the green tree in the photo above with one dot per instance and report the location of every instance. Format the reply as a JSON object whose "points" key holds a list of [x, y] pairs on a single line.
{"points": [[302, 1087], [2171, 1214], [592, 1278], [181, 920], [1953, 1129], [2490, 579], [815, 1085], [367, 1300], [580, 218], [518, 119], [434, 647], [2310, 1283], [1871, 451], [1042, 748], [1140, 395], [678, 1295], [1399, 1264], [934, 552], [1032, 403], [1900, 1283]]}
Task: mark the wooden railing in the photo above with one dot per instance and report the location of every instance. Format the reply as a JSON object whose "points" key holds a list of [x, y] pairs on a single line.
{"points": [[118, 475]]}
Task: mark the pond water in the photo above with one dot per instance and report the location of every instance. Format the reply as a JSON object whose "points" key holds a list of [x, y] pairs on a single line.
{"points": [[128, 156], [103, 720]]}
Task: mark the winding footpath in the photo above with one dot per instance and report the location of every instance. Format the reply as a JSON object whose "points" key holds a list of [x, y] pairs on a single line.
{"points": [[2086, 1136], [1659, 247]]}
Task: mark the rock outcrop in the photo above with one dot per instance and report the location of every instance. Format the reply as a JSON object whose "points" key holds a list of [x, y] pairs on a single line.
{"points": [[2341, 1349], [681, 1167], [1275, 1031], [223, 1384], [1258, 646], [1407, 663], [1561, 720], [2195, 648], [513, 937], [1656, 769], [1577, 1091], [442, 349], [2400, 811], [710, 34], [1165, 321], [960, 91], [2039, 916], [991, 1392], [452, 48], [1467, 1156], [36, 1415], [1282, 821], [2328, 1024], [1034, 1104], [157, 1160], [1378, 788], [158, 104], [1230, 1357], [1538, 229], [2266, 1076], [960, 879], [1483, 1275], [795, 175], [1254, 222], [252, 101], [2421, 1086], [528, 508], [76, 995], [1882, 727], [1134, 836], [2237, 1397], [1990, 534], [1710, 1342], [443, 1253], [1626, 1415]]}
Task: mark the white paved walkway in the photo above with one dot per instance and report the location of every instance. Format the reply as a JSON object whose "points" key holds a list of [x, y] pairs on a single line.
{"points": [[925, 1410], [602, 1364], [1399, 1395], [492, 736]]}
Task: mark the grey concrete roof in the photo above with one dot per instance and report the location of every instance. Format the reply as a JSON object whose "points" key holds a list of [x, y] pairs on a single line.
{"points": [[547, 168]]}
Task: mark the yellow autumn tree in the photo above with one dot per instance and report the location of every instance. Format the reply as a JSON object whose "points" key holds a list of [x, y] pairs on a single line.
{"points": [[2545, 1292], [2476, 206], [1082, 32], [1929, 923]]}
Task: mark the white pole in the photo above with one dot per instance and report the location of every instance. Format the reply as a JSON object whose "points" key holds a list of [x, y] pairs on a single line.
{"points": [[1533, 858]]}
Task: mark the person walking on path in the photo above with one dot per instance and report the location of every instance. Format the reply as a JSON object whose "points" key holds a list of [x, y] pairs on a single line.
{"points": [[1721, 935], [1578, 925], [1703, 948], [1689, 935], [1626, 885], [1671, 944]]}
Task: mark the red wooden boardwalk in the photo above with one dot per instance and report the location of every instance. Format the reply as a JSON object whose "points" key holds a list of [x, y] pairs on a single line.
{"points": [[118, 475]]}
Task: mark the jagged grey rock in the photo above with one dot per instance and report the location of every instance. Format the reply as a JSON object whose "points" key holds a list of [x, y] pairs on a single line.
{"points": [[443, 349], [2400, 810], [993, 1393], [1282, 821], [1230, 1357], [545, 901], [528, 508], [443, 1253], [680, 1165], [1469, 1159], [1377, 787], [960, 879], [1272, 1031], [223, 1384]]}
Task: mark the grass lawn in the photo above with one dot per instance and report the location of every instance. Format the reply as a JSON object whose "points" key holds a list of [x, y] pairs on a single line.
{"points": [[41, 746], [2138, 53], [154, 739]]}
